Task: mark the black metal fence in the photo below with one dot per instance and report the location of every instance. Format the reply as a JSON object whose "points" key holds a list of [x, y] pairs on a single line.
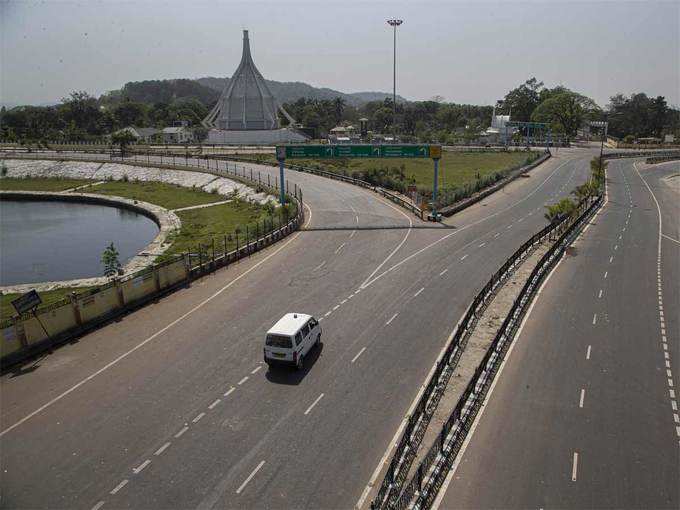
{"points": [[434, 466]]}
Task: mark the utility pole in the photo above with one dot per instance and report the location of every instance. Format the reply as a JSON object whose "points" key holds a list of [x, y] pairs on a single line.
{"points": [[394, 23]]}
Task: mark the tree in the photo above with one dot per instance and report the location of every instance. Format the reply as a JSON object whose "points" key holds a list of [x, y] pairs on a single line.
{"points": [[565, 111], [110, 261], [522, 101], [123, 138], [130, 113]]}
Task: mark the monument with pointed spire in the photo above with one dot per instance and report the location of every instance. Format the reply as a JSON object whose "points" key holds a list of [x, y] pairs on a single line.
{"points": [[247, 105]]}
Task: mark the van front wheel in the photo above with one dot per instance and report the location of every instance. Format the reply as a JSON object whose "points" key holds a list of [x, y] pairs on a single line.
{"points": [[300, 363]]}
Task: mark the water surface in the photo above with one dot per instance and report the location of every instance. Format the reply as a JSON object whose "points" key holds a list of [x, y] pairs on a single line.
{"points": [[46, 241]]}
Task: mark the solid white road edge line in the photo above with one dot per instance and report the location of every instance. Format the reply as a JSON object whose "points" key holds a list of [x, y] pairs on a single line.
{"points": [[518, 336], [574, 467], [393, 443], [155, 335]]}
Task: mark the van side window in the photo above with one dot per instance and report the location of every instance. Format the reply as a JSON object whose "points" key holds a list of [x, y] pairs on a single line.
{"points": [[313, 323], [298, 338], [305, 330]]}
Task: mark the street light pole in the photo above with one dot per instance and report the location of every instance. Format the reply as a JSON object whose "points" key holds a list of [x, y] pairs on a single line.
{"points": [[394, 23], [604, 134]]}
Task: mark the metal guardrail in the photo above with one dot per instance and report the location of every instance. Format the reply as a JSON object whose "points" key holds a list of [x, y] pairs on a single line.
{"points": [[639, 154], [390, 494]]}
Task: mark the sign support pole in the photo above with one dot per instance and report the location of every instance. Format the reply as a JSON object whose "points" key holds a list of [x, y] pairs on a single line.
{"points": [[282, 181], [435, 189]]}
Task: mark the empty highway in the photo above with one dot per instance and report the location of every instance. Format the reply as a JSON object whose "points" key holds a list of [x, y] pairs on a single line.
{"points": [[584, 413], [171, 406]]}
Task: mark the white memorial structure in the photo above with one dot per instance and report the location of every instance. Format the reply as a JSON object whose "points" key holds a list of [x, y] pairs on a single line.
{"points": [[247, 111]]}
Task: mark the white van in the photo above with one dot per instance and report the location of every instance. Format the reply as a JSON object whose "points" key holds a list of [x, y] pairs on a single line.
{"points": [[290, 339]]}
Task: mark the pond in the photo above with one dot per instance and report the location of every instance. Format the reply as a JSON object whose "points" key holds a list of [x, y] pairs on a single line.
{"points": [[47, 241]]}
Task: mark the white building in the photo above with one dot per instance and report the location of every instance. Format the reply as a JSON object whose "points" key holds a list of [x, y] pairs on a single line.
{"points": [[177, 134], [499, 131]]}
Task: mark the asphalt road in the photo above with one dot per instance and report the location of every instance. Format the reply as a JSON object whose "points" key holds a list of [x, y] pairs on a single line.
{"points": [[172, 407], [584, 413]]}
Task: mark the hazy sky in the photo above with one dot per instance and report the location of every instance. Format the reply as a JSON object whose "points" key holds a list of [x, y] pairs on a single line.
{"points": [[467, 52]]}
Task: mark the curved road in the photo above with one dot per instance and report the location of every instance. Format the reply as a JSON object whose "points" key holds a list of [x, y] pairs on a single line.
{"points": [[172, 407]]}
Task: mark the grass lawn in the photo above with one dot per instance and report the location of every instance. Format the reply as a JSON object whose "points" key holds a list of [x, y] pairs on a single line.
{"points": [[48, 297], [455, 168], [170, 196], [202, 225], [39, 184]]}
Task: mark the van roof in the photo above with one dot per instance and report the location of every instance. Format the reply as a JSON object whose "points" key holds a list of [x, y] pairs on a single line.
{"points": [[289, 324]]}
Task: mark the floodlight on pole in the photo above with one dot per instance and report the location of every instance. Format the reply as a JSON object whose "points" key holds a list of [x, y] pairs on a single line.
{"points": [[394, 23]]}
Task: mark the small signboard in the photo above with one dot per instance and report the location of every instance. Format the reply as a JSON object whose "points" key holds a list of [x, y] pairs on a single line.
{"points": [[27, 302]]}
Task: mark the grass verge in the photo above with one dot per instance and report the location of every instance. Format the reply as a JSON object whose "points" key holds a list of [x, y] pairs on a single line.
{"points": [[170, 196]]}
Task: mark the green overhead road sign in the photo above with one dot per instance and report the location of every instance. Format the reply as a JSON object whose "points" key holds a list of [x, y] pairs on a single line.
{"points": [[358, 151]]}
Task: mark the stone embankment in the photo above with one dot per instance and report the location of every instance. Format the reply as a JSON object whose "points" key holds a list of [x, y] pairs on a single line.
{"points": [[117, 172]]}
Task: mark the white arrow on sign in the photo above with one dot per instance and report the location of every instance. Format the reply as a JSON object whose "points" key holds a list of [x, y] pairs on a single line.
{"points": [[376, 151], [423, 150]]}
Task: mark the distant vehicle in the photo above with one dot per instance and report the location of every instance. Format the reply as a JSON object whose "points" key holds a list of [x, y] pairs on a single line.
{"points": [[290, 339]]}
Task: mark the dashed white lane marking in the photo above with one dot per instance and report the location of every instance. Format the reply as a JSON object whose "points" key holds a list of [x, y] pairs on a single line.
{"points": [[214, 404], [336, 307], [391, 319], [611, 259], [520, 220], [599, 296], [358, 354], [509, 227], [98, 505], [198, 417], [351, 235], [482, 245], [162, 449], [616, 247], [313, 404], [256, 369], [444, 271], [574, 467], [418, 293], [229, 392], [327, 313], [179, 434], [139, 468], [594, 319], [350, 296], [320, 266], [605, 274], [243, 380], [588, 352], [583, 396], [496, 234], [250, 477], [119, 486], [339, 248]]}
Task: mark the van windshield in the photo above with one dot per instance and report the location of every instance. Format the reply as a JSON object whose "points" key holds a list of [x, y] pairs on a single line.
{"points": [[279, 341]]}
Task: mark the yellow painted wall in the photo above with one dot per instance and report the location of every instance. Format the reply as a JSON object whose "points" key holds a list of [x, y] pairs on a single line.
{"points": [[98, 304]]}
